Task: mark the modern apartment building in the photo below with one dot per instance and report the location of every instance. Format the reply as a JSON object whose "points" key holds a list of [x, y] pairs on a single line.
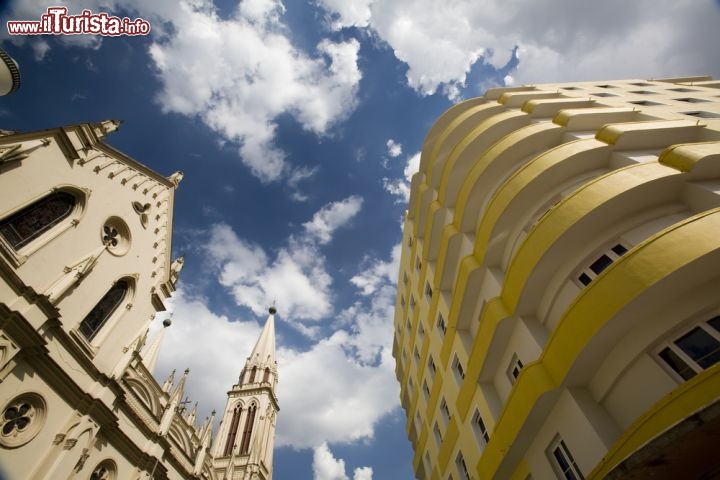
{"points": [[558, 305]]}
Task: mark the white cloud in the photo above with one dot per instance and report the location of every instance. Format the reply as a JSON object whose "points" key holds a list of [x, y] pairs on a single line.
{"points": [[378, 273], [213, 346], [327, 467], [559, 41], [363, 473], [237, 74], [296, 274], [331, 217], [400, 187], [394, 148]]}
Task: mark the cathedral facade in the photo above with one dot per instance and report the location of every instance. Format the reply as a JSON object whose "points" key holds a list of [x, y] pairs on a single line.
{"points": [[85, 267]]}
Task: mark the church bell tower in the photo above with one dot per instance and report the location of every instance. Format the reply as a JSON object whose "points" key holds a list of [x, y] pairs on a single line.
{"points": [[243, 448]]}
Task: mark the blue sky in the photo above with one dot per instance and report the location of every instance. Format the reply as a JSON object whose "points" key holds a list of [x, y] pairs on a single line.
{"points": [[297, 126]]}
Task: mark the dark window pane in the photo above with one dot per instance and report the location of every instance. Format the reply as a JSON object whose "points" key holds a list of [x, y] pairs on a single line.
{"points": [[585, 279], [601, 264], [700, 346], [677, 364], [715, 323], [619, 249], [33, 220], [104, 308]]}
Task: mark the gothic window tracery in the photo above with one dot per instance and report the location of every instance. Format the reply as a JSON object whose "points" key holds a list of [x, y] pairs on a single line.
{"points": [[247, 431], [22, 419], [37, 218], [104, 471], [97, 317], [230, 443]]}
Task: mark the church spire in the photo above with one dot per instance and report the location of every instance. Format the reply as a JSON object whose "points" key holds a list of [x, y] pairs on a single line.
{"points": [[151, 351], [264, 352]]}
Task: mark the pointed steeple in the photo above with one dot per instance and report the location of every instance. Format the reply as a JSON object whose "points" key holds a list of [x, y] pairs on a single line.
{"points": [[264, 352], [171, 408], [152, 350]]}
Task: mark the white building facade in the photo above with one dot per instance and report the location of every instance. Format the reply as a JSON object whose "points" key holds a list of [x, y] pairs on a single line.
{"points": [[85, 266]]}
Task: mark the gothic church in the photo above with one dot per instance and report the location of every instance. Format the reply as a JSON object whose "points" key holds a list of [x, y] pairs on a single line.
{"points": [[85, 266]]}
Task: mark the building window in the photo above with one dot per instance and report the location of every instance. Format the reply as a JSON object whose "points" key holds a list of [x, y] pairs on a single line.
{"points": [[702, 114], [431, 366], [462, 468], [438, 435], [479, 429], [563, 461], [694, 351], [32, 221], [247, 432], [418, 421], [97, 317], [442, 328], [426, 390], [410, 384], [106, 470], [645, 103], [22, 419], [445, 411], [641, 84], [402, 302], [458, 370], [682, 89], [412, 302], [606, 86], [408, 325], [428, 291], [410, 241], [253, 372], [427, 461], [601, 263], [691, 100], [266, 375], [421, 333], [230, 442], [604, 94], [405, 278], [643, 92], [416, 354], [514, 369]]}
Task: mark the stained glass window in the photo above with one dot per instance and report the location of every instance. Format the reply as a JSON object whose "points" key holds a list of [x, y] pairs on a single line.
{"points": [[32, 221], [94, 320]]}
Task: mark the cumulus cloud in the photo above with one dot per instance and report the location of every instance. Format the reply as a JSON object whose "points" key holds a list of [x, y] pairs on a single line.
{"points": [[327, 467], [237, 74], [441, 41], [297, 270], [332, 216], [400, 187], [212, 346], [379, 273], [394, 148]]}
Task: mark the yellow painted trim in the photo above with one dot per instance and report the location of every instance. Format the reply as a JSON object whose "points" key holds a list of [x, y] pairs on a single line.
{"points": [[451, 128], [631, 275], [612, 133], [527, 174], [449, 441], [507, 143], [685, 157], [429, 223], [689, 397], [566, 214], [521, 472], [510, 117]]}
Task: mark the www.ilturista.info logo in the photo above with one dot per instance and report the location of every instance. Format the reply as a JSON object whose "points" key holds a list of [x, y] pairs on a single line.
{"points": [[57, 22]]}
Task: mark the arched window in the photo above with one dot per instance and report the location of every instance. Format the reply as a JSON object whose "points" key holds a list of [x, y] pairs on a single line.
{"points": [[230, 443], [253, 372], [266, 376], [247, 432], [37, 218], [97, 317]]}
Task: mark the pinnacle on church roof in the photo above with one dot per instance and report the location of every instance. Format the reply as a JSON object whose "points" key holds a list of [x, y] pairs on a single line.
{"points": [[264, 351]]}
